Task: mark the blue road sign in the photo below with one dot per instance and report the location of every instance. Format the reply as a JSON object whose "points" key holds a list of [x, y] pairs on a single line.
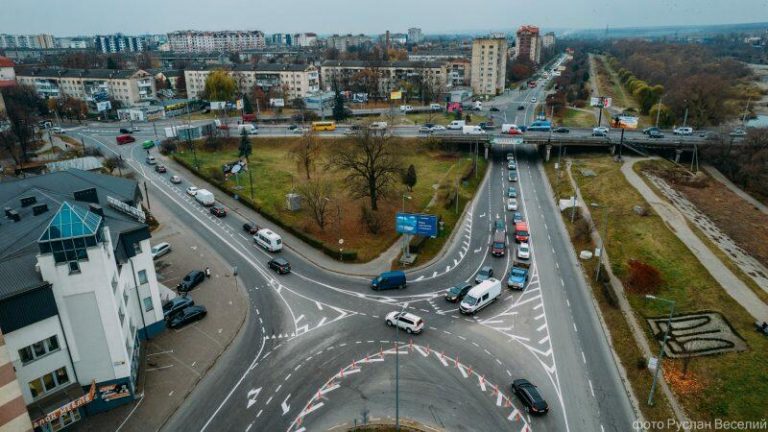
{"points": [[416, 224]]}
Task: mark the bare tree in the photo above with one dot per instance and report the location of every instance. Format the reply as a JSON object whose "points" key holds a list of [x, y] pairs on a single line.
{"points": [[370, 162], [306, 152], [317, 195]]}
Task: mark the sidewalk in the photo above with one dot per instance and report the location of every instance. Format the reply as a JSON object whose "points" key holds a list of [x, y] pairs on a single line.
{"points": [[176, 360], [372, 268], [732, 285]]}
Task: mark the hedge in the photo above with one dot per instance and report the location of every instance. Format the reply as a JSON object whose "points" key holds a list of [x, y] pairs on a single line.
{"points": [[347, 255]]}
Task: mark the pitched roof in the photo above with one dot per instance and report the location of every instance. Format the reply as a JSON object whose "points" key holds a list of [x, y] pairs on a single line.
{"points": [[402, 64], [6, 62], [258, 67], [78, 73]]}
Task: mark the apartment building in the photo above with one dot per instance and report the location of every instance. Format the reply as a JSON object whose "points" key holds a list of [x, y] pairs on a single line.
{"points": [[388, 74], [119, 43], [489, 65], [78, 292], [548, 40], [7, 70], [15, 416], [295, 80], [305, 40], [459, 72], [223, 41], [415, 36], [27, 41], [91, 85], [344, 42], [528, 43]]}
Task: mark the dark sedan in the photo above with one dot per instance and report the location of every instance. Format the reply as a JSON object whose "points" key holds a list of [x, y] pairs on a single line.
{"points": [[561, 130], [176, 305], [125, 131], [218, 211], [250, 228], [191, 280], [529, 396], [280, 265], [456, 293], [187, 315]]}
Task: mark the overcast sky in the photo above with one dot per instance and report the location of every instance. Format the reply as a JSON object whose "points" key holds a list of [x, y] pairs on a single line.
{"points": [[75, 17]]}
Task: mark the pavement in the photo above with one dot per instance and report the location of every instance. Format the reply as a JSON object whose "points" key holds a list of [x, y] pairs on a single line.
{"points": [[315, 350], [677, 222], [175, 361]]}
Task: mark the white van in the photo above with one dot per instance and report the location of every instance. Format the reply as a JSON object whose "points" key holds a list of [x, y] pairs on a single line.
{"points": [[457, 124], [435, 107], [268, 239], [472, 130], [481, 296], [406, 108], [248, 128], [205, 197], [378, 126]]}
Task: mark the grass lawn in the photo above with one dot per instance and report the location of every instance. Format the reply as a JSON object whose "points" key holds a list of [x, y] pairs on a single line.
{"points": [[731, 386], [275, 174], [577, 118], [441, 118]]}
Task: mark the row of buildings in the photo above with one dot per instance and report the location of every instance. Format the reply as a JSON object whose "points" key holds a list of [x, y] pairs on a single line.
{"points": [[78, 297]]}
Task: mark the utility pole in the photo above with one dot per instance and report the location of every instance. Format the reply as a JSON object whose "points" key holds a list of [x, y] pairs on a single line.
{"points": [[685, 116], [602, 238], [658, 113], [746, 111], [663, 343], [146, 192]]}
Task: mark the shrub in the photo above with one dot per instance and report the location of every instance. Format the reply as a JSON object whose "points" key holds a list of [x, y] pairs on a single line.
{"points": [[581, 229], [216, 174], [643, 278], [168, 146]]}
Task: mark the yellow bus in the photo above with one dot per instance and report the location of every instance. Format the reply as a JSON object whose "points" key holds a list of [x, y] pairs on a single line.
{"points": [[323, 126]]}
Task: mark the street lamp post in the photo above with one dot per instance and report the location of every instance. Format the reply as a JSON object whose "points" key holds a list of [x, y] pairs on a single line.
{"points": [[671, 304], [406, 245], [397, 372]]}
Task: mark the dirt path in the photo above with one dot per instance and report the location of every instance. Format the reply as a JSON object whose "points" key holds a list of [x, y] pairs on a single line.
{"points": [[676, 221]]}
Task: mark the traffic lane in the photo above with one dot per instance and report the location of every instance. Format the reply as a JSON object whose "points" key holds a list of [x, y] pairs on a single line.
{"points": [[607, 394]]}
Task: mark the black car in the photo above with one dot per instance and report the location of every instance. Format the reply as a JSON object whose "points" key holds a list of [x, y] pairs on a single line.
{"points": [[191, 280], [161, 169], [175, 305], [218, 211], [648, 130], [250, 228], [494, 109], [187, 315], [529, 396], [561, 130], [126, 131], [280, 265], [520, 108], [456, 293]]}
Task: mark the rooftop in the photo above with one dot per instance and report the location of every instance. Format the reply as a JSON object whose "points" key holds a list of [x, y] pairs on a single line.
{"points": [[393, 64], [78, 73]]}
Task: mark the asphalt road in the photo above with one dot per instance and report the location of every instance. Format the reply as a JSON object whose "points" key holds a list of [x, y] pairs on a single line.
{"points": [[315, 351]]}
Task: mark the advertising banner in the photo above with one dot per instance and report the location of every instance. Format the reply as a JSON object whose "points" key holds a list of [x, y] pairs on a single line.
{"points": [[277, 102], [103, 106], [416, 224], [218, 105], [69, 407], [396, 95]]}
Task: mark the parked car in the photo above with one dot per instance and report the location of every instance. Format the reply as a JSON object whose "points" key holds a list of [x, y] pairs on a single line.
{"points": [[456, 293], [218, 211], [161, 168], [191, 280], [600, 131], [250, 228], [175, 179], [192, 190], [485, 273], [561, 130], [530, 397], [685, 131], [280, 265], [523, 251], [187, 315], [511, 204], [407, 321], [160, 249], [176, 305], [494, 109]]}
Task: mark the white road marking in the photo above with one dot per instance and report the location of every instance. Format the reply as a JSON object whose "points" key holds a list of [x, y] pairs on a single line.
{"points": [[583, 358], [591, 390]]}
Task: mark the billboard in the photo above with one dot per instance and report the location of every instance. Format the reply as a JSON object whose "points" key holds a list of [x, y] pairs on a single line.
{"points": [[277, 102], [625, 122], [396, 95], [103, 106], [416, 224], [595, 102], [239, 104], [218, 105]]}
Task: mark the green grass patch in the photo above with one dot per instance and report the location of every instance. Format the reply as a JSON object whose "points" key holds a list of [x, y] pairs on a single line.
{"points": [[730, 386], [577, 118], [276, 174]]}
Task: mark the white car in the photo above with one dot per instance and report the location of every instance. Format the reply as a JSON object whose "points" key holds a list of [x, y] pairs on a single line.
{"points": [[438, 128], [600, 131], [409, 322], [524, 251], [533, 100], [683, 131], [512, 204], [175, 179], [160, 249], [192, 190]]}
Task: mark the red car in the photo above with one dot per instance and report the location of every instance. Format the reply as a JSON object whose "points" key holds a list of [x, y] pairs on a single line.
{"points": [[125, 139], [218, 211]]}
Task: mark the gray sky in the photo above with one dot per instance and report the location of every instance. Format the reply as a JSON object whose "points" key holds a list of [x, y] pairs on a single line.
{"points": [[68, 18]]}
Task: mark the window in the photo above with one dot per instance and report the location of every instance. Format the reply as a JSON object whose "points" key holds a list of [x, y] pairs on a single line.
{"points": [[137, 248], [38, 349], [142, 277], [74, 267], [148, 305], [48, 382]]}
